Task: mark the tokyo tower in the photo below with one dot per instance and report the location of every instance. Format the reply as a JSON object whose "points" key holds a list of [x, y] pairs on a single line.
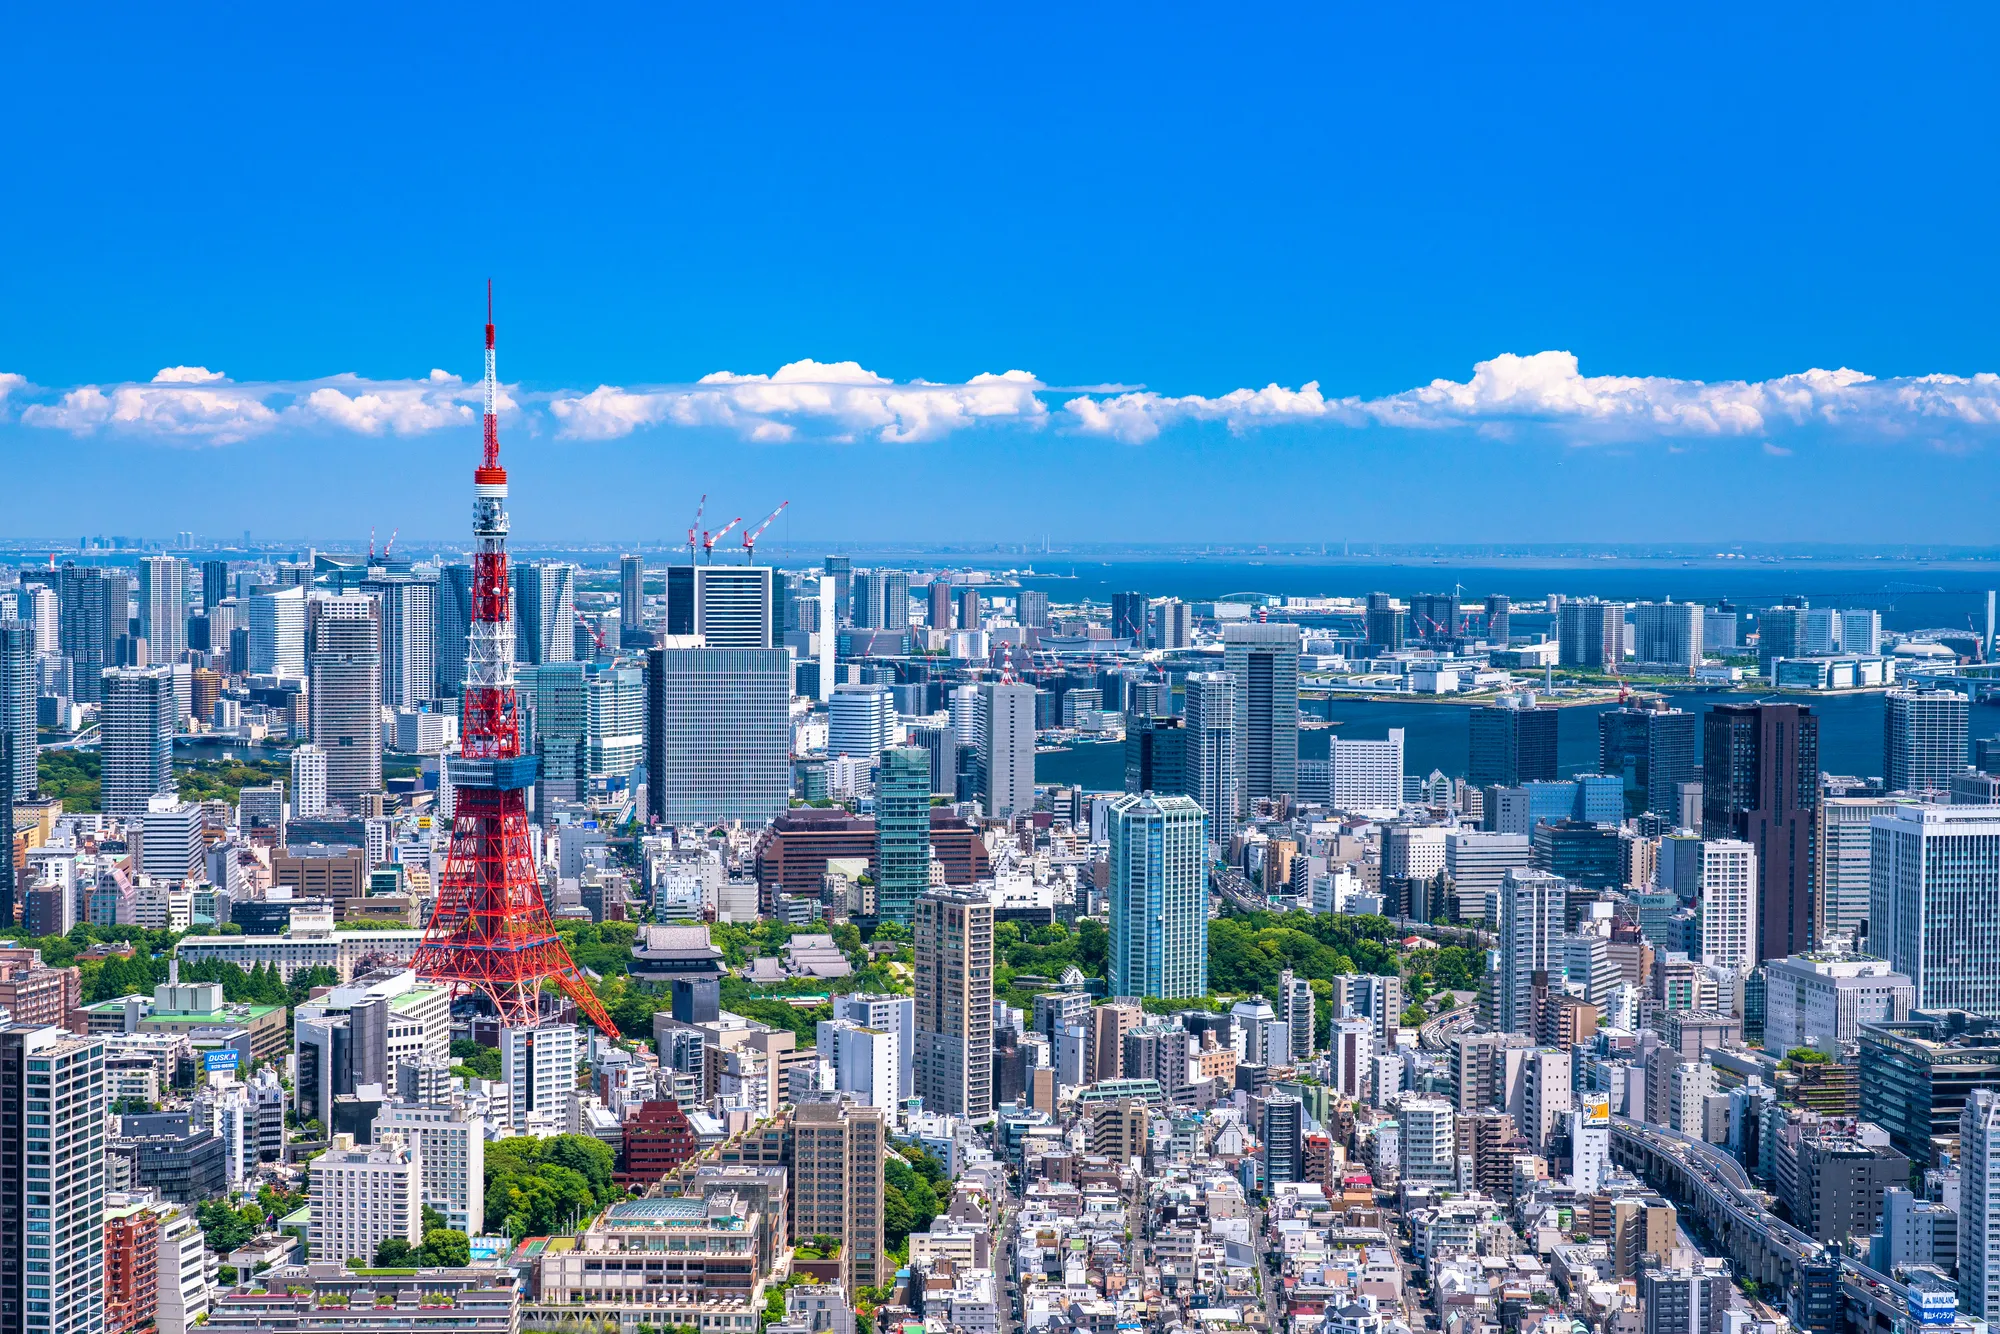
{"points": [[490, 931]]}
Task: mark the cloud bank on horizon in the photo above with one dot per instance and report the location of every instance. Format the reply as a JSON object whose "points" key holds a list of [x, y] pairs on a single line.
{"points": [[1511, 395]]}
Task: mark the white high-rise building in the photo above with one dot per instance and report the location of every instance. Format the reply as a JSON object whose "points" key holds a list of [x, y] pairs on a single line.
{"points": [[826, 639], [408, 609], [866, 1061], [538, 1066], [163, 607], [545, 612], [362, 1196], [1935, 880], [449, 1135], [345, 695], [1729, 904], [1979, 1204], [1844, 841], [1477, 861], [184, 1285], [887, 1013], [1668, 634], [860, 722], [1531, 929], [1209, 720], [1924, 739], [278, 630], [1368, 775], [170, 839], [1007, 747], [1590, 1142], [41, 608], [49, 1070], [1430, 1143], [138, 738], [1295, 1007], [308, 782]]}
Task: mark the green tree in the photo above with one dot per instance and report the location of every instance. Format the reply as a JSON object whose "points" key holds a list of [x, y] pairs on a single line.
{"points": [[395, 1253], [445, 1247], [589, 1157], [433, 1219]]}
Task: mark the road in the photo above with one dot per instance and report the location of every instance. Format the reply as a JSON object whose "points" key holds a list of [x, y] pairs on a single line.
{"points": [[1437, 1034]]}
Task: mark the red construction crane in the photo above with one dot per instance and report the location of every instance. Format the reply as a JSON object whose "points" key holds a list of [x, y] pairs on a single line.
{"points": [[595, 631], [695, 527], [491, 931], [708, 540], [750, 535]]}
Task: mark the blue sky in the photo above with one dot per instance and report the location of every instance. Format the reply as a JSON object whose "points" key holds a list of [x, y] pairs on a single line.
{"points": [[1707, 204]]}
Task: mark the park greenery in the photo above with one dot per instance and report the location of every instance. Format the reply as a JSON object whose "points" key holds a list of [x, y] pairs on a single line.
{"points": [[538, 1187], [915, 1191]]}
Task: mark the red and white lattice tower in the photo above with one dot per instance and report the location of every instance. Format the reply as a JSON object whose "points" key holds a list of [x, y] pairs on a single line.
{"points": [[491, 932]]}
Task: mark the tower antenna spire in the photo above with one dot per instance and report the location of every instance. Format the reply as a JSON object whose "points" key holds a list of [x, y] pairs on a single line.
{"points": [[491, 932]]}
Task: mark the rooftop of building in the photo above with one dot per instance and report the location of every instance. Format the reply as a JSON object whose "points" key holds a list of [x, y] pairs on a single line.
{"points": [[723, 1212]]}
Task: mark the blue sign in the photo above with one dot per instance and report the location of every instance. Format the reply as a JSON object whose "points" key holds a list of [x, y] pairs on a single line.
{"points": [[226, 1059]]}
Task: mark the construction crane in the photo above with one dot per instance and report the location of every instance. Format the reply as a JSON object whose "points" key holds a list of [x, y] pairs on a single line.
{"points": [[708, 540], [750, 535], [595, 631], [695, 527]]}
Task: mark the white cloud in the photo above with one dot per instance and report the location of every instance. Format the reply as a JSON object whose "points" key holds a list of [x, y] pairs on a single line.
{"points": [[838, 399], [1510, 396]]}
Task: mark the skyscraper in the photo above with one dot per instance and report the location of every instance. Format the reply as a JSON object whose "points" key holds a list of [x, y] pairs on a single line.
{"points": [[1924, 738], [838, 1148], [1590, 634], [1841, 863], [163, 607], [214, 583], [407, 607], [1031, 608], [51, 1214], [1511, 745], [1383, 623], [138, 730], [1531, 928], [1667, 634], [544, 612], [345, 696], [614, 723], [1729, 904], [1434, 617], [1979, 1203], [631, 598], [1499, 610], [1760, 783], [1128, 617], [1936, 891], [733, 607], [1209, 749], [718, 734], [842, 570], [1654, 749], [454, 622], [939, 605], [1159, 896], [953, 1062], [17, 705], [1263, 660], [940, 743], [860, 722], [278, 630], [1781, 633], [554, 703], [1007, 747], [93, 609], [902, 832], [1155, 754], [1170, 625], [308, 782]]}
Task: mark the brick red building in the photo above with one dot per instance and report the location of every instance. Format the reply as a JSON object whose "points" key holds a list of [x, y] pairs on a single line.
{"points": [[657, 1140], [792, 854], [131, 1269]]}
